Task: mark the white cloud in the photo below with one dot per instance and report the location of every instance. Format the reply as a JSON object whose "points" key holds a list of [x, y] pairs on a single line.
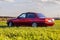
{"points": [[44, 0], [54, 1], [58, 2], [8, 0]]}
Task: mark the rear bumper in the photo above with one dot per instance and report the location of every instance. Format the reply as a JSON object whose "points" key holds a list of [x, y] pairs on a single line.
{"points": [[49, 23]]}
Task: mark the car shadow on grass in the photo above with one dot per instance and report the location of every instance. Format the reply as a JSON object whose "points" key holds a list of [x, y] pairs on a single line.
{"points": [[5, 26]]}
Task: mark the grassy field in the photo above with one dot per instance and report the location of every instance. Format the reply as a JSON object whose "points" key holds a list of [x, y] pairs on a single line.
{"points": [[30, 33]]}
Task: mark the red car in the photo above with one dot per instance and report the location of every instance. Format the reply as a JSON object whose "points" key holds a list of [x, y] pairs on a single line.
{"points": [[31, 18]]}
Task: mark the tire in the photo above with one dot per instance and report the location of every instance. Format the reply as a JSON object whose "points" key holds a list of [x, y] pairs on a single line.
{"points": [[34, 24], [10, 24]]}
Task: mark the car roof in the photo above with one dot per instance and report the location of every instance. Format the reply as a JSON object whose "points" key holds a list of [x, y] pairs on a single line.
{"points": [[31, 12]]}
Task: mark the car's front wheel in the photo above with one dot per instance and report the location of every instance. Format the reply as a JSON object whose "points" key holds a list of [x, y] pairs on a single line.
{"points": [[34, 24], [10, 24]]}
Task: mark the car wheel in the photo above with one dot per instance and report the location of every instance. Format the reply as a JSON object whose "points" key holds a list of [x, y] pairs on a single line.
{"points": [[10, 24], [34, 24]]}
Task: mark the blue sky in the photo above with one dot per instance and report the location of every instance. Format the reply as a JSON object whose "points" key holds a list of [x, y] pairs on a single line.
{"points": [[50, 8]]}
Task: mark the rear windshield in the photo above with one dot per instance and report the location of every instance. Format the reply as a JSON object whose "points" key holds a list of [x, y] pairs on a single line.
{"points": [[40, 15]]}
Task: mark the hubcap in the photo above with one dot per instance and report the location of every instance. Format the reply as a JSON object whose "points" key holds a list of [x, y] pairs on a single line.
{"points": [[10, 23], [34, 25]]}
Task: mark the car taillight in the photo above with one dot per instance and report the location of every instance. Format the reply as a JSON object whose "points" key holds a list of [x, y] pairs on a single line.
{"points": [[49, 20], [46, 20], [52, 19]]}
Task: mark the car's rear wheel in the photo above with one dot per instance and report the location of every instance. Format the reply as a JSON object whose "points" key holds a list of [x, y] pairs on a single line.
{"points": [[34, 24], [10, 24]]}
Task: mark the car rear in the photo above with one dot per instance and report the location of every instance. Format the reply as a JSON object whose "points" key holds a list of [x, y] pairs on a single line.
{"points": [[49, 21], [44, 20]]}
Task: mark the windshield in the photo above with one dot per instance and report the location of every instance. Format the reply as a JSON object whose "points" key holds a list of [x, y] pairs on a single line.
{"points": [[40, 15]]}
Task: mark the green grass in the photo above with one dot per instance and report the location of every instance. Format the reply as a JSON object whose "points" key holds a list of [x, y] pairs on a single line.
{"points": [[30, 33]]}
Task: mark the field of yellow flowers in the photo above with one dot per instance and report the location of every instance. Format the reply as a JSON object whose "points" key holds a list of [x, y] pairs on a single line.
{"points": [[30, 33]]}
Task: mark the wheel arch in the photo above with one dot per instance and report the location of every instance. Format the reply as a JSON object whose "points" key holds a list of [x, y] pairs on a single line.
{"points": [[10, 21]]}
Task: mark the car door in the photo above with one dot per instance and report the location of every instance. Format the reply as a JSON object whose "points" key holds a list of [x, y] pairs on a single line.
{"points": [[21, 19], [30, 17]]}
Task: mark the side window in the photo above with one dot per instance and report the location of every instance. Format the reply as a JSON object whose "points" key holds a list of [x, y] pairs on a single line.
{"points": [[31, 15], [22, 16]]}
